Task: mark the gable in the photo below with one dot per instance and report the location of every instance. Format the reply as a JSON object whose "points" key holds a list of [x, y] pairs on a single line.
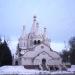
{"points": [[43, 55], [39, 49], [43, 47]]}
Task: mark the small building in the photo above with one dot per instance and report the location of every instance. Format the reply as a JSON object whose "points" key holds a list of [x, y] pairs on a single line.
{"points": [[34, 49]]}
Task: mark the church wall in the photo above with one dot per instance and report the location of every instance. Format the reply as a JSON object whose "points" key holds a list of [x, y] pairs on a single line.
{"points": [[49, 60], [23, 43], [54, 62], [38, 59], [37, 39], [40, 53], [26, 61], [42, 48]]}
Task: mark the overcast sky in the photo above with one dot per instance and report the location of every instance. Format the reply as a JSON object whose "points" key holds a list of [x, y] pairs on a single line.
{"points": [[58, 16]]}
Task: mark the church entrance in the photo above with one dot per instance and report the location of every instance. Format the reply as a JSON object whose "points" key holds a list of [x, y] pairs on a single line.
{"points": [[43, 65], [43, 61]]}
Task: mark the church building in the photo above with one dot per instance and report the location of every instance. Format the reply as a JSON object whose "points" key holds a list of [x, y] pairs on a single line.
{"points": [[34, 49]]}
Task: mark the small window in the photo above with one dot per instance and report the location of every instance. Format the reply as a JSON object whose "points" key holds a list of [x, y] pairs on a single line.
{"points": [[42, 47], [35, 42], [39, 41]]}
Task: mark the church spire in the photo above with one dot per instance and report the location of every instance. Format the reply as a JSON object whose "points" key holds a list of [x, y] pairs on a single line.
{"points": [[23, 32], [44, 33], [37, 27], [34, 24]]}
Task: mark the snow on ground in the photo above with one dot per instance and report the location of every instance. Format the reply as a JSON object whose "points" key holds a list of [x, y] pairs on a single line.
{"points": [[72, 69], [62, 72], [21, 70]]}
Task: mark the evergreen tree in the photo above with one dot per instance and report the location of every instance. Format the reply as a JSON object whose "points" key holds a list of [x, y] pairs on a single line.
{"points": [[72, 50], [5, 54], [65, 55]]}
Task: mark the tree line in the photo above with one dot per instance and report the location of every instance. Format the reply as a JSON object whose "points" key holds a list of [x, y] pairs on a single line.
{"points": [[69, 55]]}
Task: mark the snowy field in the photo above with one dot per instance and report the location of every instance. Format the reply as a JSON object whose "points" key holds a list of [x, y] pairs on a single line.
{"points": [[20, 70]]}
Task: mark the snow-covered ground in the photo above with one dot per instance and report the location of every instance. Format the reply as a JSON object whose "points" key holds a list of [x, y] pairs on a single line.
{"points": [[62, 73], [21, 70], [72, 69]]}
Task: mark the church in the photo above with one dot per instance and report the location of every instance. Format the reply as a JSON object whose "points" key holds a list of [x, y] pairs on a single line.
{"points": [[34, 49]]}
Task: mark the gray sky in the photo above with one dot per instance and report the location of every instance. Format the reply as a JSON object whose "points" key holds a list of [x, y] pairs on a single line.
{"points": [[58, 16]]}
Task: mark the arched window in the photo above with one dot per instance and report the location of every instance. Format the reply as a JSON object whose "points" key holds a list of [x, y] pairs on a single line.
{"points": [[35, 42], [39, 41]]}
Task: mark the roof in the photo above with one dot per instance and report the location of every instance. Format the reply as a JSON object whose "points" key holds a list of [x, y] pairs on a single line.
{"points": [[38, 49]]}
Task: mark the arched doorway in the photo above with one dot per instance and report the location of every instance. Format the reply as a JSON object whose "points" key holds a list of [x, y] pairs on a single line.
{"points": [[43, 61], [43, 65], [16, 63]]}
